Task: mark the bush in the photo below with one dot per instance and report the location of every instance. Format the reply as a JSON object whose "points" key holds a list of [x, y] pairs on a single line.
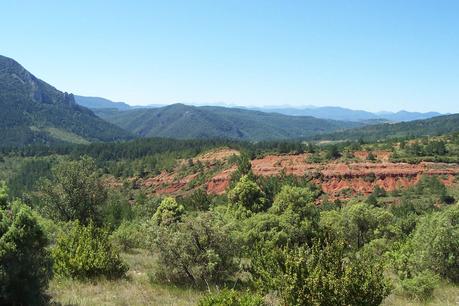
{"points": [[227, 297], [197, 250], [128, 236], [320, 275], [25, 264], [86, 252], [75, 192], [168, 212], [433, 246], [421, 286]]}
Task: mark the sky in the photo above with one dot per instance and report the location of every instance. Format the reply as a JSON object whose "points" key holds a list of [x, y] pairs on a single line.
{"points": [[370, 54]]}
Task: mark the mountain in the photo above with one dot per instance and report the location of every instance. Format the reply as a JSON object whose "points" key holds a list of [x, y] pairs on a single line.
{"points": [[186, 122], [428, 127], [34, 112], [97, 103], [407, 116], [345, 114]]}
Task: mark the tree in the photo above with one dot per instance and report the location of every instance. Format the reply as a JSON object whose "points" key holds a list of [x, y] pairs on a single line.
{"points": [[168, 212], [3, 195], [74, 193], [292, 220], [197, 250], [247, 194], [86, 252], [25, 263]]}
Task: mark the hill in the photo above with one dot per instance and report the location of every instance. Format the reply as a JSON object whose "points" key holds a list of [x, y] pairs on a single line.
{"points": [[345, 114], [428, 127], [187, 122], [97, 103], [34, 112]]}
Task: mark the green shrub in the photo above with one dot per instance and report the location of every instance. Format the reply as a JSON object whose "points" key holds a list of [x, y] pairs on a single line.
{"points": [[421, 286], [197, 250], [25, 264], [168, 212], [320, 275], [228, 297], [128, 236], [86, 252]]}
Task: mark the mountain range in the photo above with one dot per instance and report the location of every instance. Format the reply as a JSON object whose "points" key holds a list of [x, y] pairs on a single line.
{"points": [[34, 112], [185, 121], [428, 127], [326, 112]]}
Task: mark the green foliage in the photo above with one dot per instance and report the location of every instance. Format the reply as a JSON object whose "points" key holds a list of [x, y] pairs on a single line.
{"points": [[86, 252], [128, 236], [320, 275], [435, 126], [219, 122], [168, 212], [116, 210], [25, 264], [248, 195], [231, 297], [421, 285], [34, 112], [74, 193], [3, 195], [197, 250], [358, 224]]}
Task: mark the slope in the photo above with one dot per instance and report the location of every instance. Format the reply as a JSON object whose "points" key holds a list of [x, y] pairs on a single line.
{"points": [[433, 126], [186, 122], [33, 112]]}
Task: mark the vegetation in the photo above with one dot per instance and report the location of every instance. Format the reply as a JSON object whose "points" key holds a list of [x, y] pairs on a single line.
{"points": [[34, 112], [25, 263], [275, 240], [191, 122]]}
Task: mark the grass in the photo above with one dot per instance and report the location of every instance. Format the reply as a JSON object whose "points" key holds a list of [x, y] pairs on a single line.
{"points": [[135, 289], [445, 295]]}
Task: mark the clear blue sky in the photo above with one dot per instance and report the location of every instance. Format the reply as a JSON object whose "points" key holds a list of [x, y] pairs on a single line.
{"points": [[368, 54]]}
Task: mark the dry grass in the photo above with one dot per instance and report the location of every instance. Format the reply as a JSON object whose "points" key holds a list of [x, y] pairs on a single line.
{"points": [[445, 295], [134, 290]]}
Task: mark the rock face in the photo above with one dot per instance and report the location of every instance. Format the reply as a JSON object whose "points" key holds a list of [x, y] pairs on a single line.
{"points": [[359, 177], [339, 180]]}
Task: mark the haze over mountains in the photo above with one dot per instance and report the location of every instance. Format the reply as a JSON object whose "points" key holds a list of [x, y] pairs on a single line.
{"points": [[326, 112], [34, 112]]}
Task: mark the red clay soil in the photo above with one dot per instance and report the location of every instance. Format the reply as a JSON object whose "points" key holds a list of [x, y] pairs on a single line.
{"points": [[335, 178]]}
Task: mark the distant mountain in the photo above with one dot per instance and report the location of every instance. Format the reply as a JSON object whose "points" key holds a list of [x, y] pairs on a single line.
{"points": [[184, 121], [97, 103], [345, 114], [33, 112], [427, 127], [407, 116]]}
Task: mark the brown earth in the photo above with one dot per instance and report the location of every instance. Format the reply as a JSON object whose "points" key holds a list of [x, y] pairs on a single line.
{"points": [[337, 179]]}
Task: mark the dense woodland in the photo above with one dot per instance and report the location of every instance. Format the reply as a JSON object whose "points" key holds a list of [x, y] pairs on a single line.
{"points": [[266, 241]]}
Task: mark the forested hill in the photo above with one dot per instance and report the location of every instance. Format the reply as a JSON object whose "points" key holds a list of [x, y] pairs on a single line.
{"points": [[33, 112], [189, 122], [429, 127]]}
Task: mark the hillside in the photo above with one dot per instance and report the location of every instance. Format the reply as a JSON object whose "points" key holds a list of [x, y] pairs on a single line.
{"points": [[97, 102], [33, 112], [345, 114], [433, 126], [186, 122]]}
